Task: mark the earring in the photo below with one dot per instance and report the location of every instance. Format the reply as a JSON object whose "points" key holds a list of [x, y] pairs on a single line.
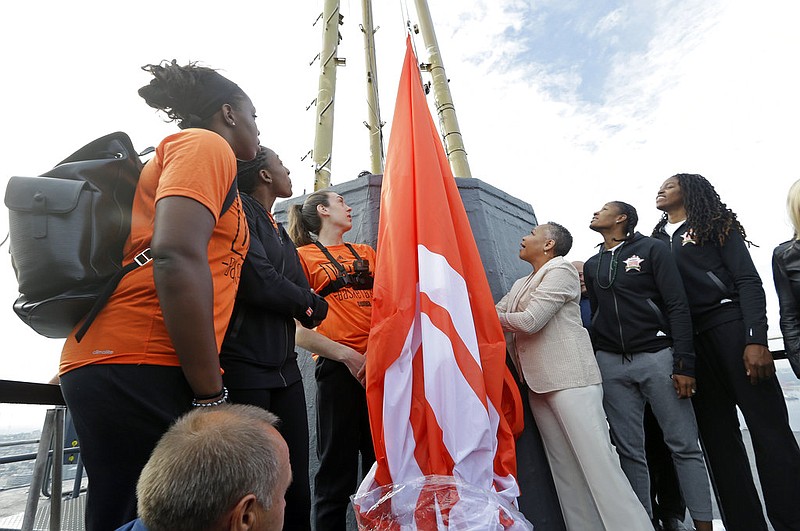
{"points": [[233, 124]]}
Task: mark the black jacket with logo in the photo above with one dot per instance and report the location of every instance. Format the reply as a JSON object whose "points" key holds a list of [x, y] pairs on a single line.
{"points": [[258, 350], [721, 281], [638, 302]]}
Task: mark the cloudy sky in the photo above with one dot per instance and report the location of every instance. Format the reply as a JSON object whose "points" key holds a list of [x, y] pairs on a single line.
{"points": [[565, 104]]}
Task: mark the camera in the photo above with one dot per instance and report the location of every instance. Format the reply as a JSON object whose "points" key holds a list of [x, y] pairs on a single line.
{"points": [[360, 278]]}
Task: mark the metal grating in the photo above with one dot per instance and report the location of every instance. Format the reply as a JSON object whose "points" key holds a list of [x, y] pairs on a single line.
{"points": [[72, 516]]}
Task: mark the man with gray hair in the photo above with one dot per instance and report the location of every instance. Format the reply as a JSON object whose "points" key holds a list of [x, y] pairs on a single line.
{"points": [[218, 468]]}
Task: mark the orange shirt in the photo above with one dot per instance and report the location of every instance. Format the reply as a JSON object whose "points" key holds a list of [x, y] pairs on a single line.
{"points": [[197, 164], [349, 310]]}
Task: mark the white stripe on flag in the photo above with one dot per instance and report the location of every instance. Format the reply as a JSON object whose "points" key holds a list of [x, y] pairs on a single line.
{"points": [[447, 288], [458, 410], [398, 435]]}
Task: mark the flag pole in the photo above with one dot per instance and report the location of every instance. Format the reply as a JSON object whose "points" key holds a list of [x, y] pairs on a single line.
{"points": [[323, 135], [374, 123], [453, 141]]}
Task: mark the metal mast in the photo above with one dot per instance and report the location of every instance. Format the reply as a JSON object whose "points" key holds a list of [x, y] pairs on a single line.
{"points": [[453, 142], [374, 124], [323, 137]]}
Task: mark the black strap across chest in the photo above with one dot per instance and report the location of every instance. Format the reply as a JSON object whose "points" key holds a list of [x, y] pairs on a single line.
{"points": [[341, 280]]}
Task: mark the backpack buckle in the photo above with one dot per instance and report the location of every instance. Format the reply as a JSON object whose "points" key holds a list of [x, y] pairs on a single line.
{"points": [[143, 258]]}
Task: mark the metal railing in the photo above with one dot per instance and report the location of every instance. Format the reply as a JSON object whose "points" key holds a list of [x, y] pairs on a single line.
{"points": [[49, 457]]}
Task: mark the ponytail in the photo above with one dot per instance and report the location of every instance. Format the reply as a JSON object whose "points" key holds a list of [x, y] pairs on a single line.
{"points": [[632, 217], [304, 220]]}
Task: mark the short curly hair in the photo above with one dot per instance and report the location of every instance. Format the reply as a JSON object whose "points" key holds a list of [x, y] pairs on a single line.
{"points": [[561, 236]]}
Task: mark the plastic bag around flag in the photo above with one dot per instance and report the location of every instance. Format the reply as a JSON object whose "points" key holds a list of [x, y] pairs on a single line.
{"points": [[435, 503]]}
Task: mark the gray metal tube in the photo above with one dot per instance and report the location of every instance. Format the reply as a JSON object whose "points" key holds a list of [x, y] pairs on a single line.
{"points": [[323, 137], [453, 142], [374, 118], [39, 466], [58, 469]]}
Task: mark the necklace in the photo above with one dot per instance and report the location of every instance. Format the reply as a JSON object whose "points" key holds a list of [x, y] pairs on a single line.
{"points": [[612, 273]]}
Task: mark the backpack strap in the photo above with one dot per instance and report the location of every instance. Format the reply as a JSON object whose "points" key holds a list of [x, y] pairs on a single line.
{"points": [[141, 259], [233, 193]]}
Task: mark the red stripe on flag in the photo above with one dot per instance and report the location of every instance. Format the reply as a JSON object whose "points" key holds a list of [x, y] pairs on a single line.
{"points": [[430, 452], [471, 371]]}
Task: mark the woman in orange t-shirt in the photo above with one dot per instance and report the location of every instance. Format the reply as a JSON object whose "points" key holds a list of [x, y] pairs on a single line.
{"points": [[342, 273], [153, 352]]}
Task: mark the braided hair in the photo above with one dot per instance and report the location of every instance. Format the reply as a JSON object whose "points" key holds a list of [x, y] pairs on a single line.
{"points": [[247, 171], [632, 217], [710, 219]]}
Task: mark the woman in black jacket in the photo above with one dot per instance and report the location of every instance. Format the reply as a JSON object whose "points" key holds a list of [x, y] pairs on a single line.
{"points": [[734, 367], [642, 335], [258, 354], [786, 274]]}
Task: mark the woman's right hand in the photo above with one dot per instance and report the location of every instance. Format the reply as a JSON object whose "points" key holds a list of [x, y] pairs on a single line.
{"points": [[355, 363]]}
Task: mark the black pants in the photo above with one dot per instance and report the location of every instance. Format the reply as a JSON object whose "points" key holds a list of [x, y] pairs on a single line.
{"points": [[342, 432], [289, 404], [665, 492], [120, 413], [721, 386]]}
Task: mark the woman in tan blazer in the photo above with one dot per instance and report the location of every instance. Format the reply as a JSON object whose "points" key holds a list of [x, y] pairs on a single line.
{"points": [[554, 357]]}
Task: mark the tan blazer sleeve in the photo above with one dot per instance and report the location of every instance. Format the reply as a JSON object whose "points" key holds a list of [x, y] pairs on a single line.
{"points": [[557, 286]]}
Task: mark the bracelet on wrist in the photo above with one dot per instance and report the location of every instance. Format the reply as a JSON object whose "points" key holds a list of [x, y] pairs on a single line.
{"points": [[223, 398], [212, 395]]}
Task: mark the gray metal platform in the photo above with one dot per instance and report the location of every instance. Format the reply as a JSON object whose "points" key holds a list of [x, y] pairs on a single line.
{"points": [[72, 515]]}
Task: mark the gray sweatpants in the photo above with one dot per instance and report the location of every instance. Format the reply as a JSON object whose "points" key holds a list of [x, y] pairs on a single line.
{"points": [[630, 382]]}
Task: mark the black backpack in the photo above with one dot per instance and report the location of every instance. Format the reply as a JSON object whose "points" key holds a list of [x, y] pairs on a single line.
{"points": [[67, 230]]}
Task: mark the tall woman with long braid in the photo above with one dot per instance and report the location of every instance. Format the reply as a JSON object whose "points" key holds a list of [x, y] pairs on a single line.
{"points": [[734, 366], [153, 351]]}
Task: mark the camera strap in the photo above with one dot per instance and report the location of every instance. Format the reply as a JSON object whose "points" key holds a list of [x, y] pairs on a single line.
{"points": [[340, 282]]}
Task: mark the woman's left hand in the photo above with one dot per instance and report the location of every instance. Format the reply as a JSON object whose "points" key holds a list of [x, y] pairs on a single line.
{"points": [[685, 386], [758, 363]]}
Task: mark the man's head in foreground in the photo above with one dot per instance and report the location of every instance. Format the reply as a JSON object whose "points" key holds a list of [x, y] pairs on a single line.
{"points": [[220, 468]]}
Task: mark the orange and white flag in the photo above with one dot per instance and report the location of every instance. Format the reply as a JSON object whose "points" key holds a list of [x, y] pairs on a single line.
{"points": [[441, 400]]}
